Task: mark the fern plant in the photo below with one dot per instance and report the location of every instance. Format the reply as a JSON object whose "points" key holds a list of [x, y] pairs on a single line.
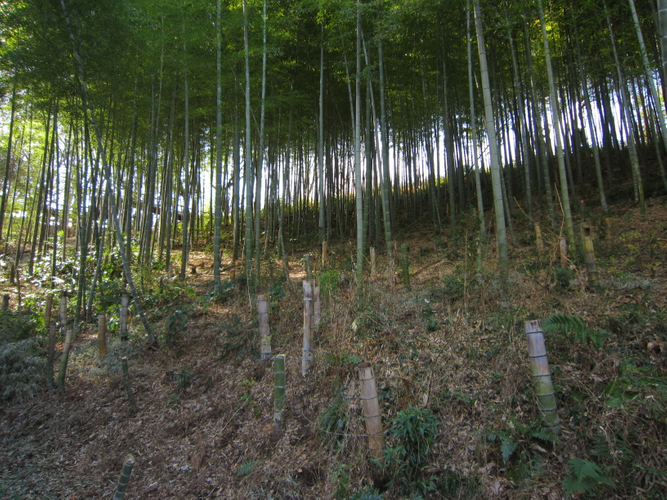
{"points": [[245, 468], [585, 477], [563, 323]]}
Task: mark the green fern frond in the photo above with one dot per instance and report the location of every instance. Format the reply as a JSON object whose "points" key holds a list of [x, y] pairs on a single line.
{"points": [[245, 468], [563, 323], [585, 477]]}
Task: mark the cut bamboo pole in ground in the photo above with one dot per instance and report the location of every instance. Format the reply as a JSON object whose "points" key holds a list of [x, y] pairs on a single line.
{"points": [[373, 262], [48, 305], [264, 332], [539, 242], [124, 478], [563, 253], [63, 310], [63, 360], [308, 313], [609, 236], [591, 268], [371, 408], [317, 306], [406, 266], [279, 389], [126, 381], [308, 266], [51, 355], [539, 366], [102, 335], [124, 304]]}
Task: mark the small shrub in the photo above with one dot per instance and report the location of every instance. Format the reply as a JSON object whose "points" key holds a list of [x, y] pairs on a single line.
{"points": [[19, 325], [21, 370]]}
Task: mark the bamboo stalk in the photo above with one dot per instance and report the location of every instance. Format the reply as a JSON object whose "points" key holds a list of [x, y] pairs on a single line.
{"points": [[50, 356], [373, 268], [317, 306], [563, 253], [102, 335], [589, 258], [126, 380], [63, 360], [307, 359], [279, 389], [406, 268], [124, 302], [309, 269], [5, 303], [609, 236], [371, 407], [538, 239], [48, 305], [124, 478], [539, 366], [63, 309], [264, 332]]}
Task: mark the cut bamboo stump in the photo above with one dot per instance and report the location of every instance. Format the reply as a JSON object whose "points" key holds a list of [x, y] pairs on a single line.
{"points": [[371, 408], [124, 478], [102, 336], [589, 258], [405, 265], [124, 303], [63, 310], [48, 305], [50, 356], [308, 313], [264, 332], [539, 367], [126, 381], [279, 389], [63, 360], [539, 242], [563, 253], [373, 267], [309, 267]]}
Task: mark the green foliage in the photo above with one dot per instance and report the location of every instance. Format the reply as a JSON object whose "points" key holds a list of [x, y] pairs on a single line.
{"points": [[430, 321], [183, 380], [328, 283], [585, 477], [370, 494], [109, 294], [332, 422], [176, 322], [452, 287], [452, 485], [341, 480], [414, 431], [245, 468], [562, 277], [22, 370], [19, 325], [222, 292], [562, 323]]}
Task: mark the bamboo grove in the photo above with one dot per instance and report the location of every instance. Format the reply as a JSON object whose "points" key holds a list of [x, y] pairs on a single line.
{"points": [[253, 126]]}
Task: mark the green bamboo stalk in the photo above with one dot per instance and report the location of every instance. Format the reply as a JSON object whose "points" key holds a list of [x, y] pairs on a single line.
{"points": [[124, 477], [51, 354], [128, 384], [5, 303], [539, 366], [63, 360], [279, 389]]}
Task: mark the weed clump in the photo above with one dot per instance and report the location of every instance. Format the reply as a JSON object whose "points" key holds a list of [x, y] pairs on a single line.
{"points": [[22, 370]]}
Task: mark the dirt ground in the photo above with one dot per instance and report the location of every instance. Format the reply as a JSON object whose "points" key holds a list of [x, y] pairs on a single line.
{"points": [[203, 425]]}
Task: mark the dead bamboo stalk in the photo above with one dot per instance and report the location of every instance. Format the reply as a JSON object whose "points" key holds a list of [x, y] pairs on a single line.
{"points": [[563, 252], [307, 359], [102, 335], [371, 408], [325, 248], [539, 366], [63, 360], [538, 239], [264, 332]]}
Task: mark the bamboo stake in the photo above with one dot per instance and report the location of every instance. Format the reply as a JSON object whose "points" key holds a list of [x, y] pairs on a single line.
{"points": [[279, 389], [539, 366], [126, 380], [371, 407], [563, 252], [47, 309], [406, 269], [124, 302], [63, 309], [63, 360], [102, 336], [124, 478], [373, 268], [589, 258], [51, 354], [307, 358], [538, 239], [309, 269], [317, 305], [264, 332]]}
